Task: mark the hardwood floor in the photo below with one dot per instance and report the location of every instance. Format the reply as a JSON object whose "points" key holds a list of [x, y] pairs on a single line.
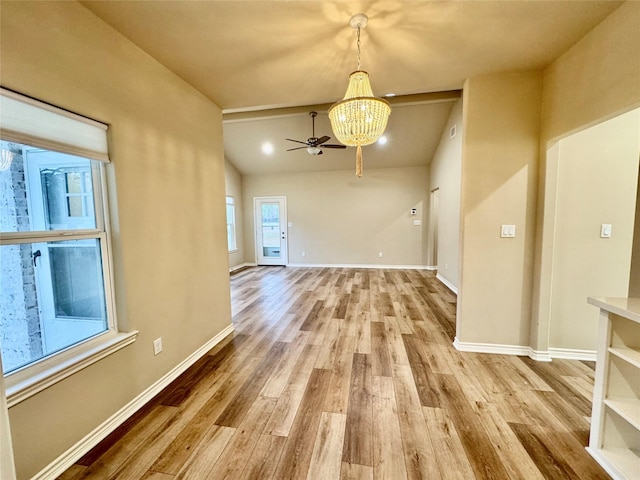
{"points": [[351, 374]]}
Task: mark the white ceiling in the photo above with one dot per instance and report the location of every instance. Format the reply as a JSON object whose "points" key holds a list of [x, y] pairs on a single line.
{"points": [[257, 55]]}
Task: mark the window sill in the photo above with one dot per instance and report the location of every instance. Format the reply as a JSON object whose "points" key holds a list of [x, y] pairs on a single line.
{"points": [[28, 381]]}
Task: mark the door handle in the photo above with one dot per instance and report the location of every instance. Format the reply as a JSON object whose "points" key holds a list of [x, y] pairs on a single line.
{"points": [[35, 256]]}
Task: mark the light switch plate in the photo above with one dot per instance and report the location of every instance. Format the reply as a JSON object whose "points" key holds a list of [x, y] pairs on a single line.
{"points": [[605, 230], [157, 346], [508, 231], [417, 222]]}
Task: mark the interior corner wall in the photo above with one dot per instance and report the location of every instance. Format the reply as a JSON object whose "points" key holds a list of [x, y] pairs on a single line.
{"points": [[634, 274], [339, 219], [597, 181], [233, 187], [445, 175], [501, 118], [596, 79], [166, 187]]}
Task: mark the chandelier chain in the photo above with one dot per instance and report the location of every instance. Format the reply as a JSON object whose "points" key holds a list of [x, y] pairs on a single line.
{"points": [[358, 43]]}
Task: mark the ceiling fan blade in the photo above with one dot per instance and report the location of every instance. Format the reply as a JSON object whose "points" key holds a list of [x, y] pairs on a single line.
{"points": [[297, 141], [297, 148], [329, 145], [322, 140]]}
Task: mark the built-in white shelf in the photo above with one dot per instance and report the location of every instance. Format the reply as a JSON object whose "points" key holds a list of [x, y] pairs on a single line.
{"points": [[630, 355], [615, 420], [626, 461], [629, 409]]}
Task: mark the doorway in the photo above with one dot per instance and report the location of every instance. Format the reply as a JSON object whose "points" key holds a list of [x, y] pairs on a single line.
{"points": [[270, 216], [433, 227], [591, 183]]}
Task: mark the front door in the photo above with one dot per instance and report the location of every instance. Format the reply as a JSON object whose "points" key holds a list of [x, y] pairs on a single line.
{"points": [[271, 230]]}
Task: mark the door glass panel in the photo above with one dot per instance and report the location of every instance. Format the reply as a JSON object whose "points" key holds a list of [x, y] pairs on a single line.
{"points": [[67, 195], [51, 297], [45, 190], [270, 229], [76, 277]]}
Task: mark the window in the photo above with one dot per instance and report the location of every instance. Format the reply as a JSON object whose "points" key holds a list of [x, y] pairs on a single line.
{"points": [[56, 306], [231, 225]]}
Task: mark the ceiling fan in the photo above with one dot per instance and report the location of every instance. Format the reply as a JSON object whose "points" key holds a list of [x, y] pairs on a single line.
{"points": [[313, 144]]}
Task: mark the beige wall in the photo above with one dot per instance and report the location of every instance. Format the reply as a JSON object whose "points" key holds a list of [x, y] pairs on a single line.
{"points": [[597, 79], [501, 116], [596, 184], [445, 175], [634, 276], [7, 468], [340, 219], [233, 187], [167, 181]]}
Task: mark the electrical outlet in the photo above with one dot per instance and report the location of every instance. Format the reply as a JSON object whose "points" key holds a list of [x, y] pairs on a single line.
{"points": [[157, 345], [304, 254], [380, 254]]}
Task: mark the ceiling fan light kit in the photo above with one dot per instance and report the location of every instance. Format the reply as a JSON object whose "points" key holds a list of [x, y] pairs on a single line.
{"points": [[314, 150], [359, 119], [314, 145]]}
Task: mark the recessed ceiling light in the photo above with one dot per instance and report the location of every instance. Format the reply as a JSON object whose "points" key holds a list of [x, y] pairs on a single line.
{"points": [[267, 148], [382, 140]]}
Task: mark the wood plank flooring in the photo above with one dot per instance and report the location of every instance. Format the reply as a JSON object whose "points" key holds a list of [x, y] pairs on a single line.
{"points": [[336, 373]]}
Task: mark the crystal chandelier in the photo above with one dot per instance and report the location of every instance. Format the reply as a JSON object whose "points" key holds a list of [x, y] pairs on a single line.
{"points": [[359, 119]]}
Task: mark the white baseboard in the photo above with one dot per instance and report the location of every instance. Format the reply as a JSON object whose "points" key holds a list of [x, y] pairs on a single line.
{"points": [[356, 265], [447, 283], [573, 354], [68, 458], [242, 265], [431, 267], [490, 348], [539, 355], [498, 349]]}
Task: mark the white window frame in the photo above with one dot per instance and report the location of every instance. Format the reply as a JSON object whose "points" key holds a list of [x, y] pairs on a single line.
{"points": [[20, 115], [230, 202]]}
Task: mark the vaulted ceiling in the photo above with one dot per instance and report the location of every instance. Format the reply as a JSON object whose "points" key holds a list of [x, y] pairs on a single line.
{"points": [[263, 56]]}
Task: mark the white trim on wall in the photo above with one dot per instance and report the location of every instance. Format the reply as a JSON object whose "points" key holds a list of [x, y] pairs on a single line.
{"points": [[240, 266], [447, 283], [573, 354], [491, 348], [541, 356], [498, 349], [68, 458], [354, 265]]}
